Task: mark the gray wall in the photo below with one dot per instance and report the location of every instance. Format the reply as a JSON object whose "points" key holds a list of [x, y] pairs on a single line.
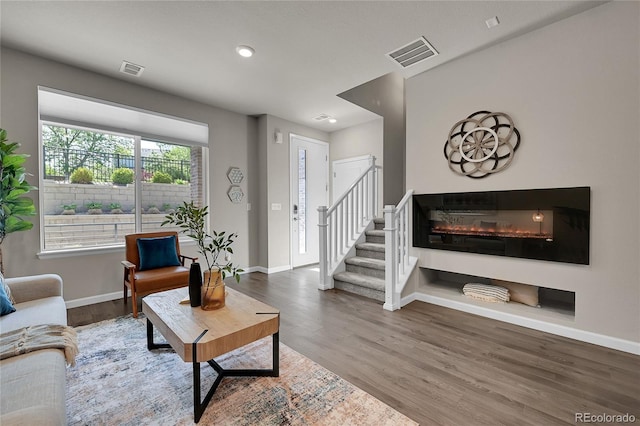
{"points": [[232, 142], [274, 184], [573, 91], [362, 139], [385, 96]]}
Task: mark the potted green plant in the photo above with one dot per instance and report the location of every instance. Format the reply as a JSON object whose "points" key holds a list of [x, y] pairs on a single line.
{"points": [[116, 208], [214, 248], [14, 205], [94, 208], [69, 209], [153, 209]]}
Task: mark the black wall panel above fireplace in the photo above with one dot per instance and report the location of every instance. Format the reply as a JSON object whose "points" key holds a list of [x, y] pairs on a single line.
{"points": [[544, 224]]}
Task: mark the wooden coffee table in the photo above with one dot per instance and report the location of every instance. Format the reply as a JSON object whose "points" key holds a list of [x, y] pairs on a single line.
{"points": [[200, 336]]}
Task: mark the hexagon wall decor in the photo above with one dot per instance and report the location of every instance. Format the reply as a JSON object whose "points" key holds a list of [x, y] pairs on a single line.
{"points": [[235, 175], [235, 194]]}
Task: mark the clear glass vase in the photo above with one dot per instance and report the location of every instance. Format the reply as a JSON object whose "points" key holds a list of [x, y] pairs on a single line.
{"points": [[212, 290]]}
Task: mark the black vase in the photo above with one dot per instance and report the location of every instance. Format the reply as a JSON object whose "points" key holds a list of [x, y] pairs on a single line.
{"points": [[195, 284]]}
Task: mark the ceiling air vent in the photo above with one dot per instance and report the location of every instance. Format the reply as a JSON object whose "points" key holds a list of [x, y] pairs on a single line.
{"points": [[413, 53], [131, 69], [322, 117]]}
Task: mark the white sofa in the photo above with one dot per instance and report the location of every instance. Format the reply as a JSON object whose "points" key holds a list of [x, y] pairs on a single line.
{"points": [[32, 385]]}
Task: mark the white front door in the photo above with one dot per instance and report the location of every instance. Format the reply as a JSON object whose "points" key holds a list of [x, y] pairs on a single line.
{"points": [[309, 190]]}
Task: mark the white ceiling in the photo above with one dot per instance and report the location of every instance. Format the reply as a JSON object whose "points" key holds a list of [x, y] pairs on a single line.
{"points": [[307, 52]]}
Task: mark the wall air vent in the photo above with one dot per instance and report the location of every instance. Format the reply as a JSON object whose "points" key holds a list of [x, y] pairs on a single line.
{"points": [[131, 69], [413, 53]]}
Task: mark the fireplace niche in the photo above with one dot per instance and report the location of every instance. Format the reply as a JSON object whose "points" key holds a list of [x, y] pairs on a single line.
{"points": [[543, 224]]}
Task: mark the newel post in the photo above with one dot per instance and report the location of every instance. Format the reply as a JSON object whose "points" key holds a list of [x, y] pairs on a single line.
{"points": [[391, 298], [324, 259]]}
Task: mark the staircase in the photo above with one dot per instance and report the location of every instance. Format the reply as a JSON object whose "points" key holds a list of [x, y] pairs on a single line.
{"points": [[365, 272], [360, 253]]}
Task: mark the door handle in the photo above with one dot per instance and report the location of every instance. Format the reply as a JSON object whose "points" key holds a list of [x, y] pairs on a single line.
{"points": [[295, 209]]}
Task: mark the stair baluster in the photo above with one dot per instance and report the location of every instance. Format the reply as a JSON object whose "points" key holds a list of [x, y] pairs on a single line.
{"points": [[356, 207]]}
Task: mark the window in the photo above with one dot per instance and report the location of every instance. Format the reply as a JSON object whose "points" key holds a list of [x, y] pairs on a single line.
{"points": [[99, 184]]}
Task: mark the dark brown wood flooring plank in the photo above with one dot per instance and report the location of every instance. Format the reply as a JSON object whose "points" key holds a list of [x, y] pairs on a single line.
{"points": [[437, 365]]}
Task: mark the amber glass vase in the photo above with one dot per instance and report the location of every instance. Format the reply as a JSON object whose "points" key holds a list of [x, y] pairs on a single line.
{"points": [[212, 290]]}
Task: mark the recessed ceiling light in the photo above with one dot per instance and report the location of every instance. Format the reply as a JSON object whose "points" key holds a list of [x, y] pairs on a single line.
{"points": [[245, 51], [327, 117]]}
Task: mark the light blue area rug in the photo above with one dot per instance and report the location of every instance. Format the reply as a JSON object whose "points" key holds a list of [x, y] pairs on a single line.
{"points": [[117, 381]]}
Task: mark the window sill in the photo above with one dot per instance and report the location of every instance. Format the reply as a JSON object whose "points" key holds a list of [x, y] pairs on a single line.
{"points": [[92, 251], [80, 251]]}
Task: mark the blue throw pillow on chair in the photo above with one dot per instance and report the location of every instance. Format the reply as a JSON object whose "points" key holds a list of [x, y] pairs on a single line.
{"points": [[157, 252]]}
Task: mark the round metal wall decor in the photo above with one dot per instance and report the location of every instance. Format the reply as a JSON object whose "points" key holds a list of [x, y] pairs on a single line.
{"points": [[482, 144]]}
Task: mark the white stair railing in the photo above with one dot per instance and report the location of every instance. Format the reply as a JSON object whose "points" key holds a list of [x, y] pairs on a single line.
{"points": [[342, 223], [397, 260]]}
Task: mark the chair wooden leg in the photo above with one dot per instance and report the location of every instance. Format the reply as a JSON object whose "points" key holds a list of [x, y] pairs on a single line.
{"points": [[134, 302], [126, 295]]}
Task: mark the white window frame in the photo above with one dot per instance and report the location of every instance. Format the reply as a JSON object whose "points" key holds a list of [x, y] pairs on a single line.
{"points": [[116, 247]]}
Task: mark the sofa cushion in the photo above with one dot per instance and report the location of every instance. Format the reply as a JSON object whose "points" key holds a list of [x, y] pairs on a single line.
{"points": [[485, 292], [158, 252], [37, 389], [521, 293], [162, 278], [50, 310]]}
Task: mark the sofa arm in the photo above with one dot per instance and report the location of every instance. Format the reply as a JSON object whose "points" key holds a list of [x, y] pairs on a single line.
{"points": [[35, 287]]}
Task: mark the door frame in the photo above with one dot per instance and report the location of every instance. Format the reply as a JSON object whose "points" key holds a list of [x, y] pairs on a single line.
{"points": [[291, 185]]}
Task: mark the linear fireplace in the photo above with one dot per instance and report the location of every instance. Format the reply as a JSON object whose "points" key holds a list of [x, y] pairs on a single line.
{"points": [[545, 224]]}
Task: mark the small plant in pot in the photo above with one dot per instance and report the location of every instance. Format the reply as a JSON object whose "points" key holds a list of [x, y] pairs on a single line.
{"points": [[94, 208], [116, 208], [69, 209], [214, 248], [153, 209]]}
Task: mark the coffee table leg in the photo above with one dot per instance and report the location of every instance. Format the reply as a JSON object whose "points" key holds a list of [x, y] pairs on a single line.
{"points": [[198, 405], [276, 355], [150, 343]]}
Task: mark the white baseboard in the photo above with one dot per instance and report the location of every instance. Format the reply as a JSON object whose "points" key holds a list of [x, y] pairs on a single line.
{"points": [[84, 301], [273, 270], [560, 330], [327, 286], [265, 270]]}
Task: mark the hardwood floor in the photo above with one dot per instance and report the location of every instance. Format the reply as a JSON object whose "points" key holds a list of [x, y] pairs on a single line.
{"points": [[437, 365]]}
